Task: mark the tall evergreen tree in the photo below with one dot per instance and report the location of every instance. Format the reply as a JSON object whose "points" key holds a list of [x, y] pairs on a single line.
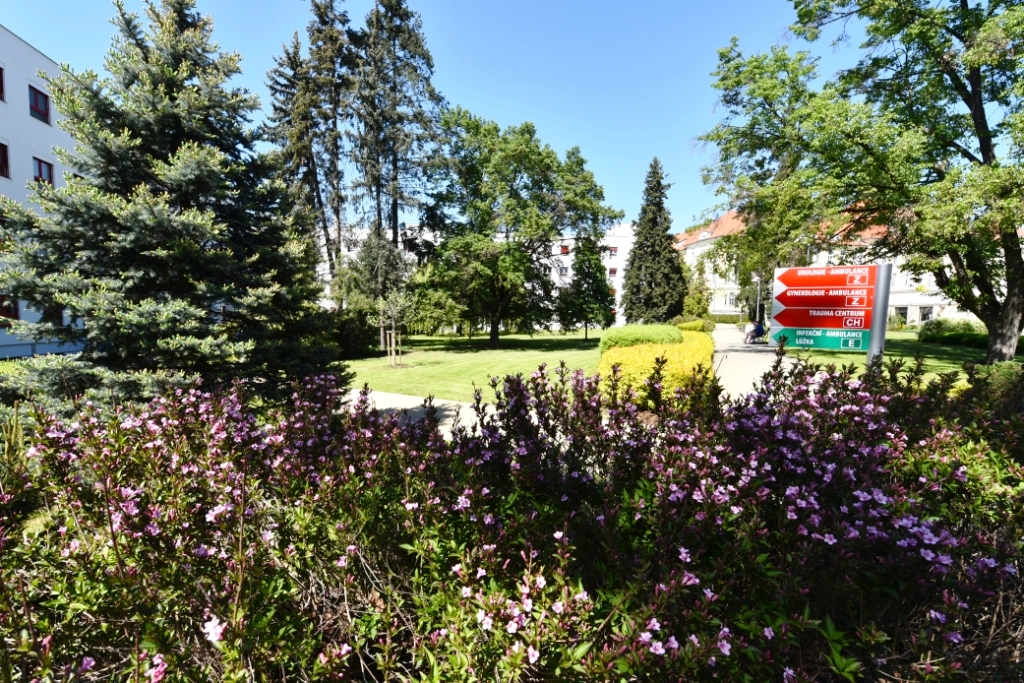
{"points": [[654, 285], [177, 253], [311, 100], [394, 110], [588, 299]]}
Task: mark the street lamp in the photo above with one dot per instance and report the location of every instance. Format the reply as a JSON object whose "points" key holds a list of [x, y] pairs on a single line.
{"points": [[757, 313]]}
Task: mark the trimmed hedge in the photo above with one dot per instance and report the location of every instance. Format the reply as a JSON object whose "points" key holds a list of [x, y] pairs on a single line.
{"points": [[935, 328], [633, 335], [697, 326], [726, 318], [636, 363]]}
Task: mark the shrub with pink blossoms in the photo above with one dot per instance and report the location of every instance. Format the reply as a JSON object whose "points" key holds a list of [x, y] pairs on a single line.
{"points": [[820, 529]]}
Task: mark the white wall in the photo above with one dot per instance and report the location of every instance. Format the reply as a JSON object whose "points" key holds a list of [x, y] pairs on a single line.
{"points": [[619, 238], [26, 137]]}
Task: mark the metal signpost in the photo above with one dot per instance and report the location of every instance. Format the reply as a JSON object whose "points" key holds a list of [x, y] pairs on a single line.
{"points": [[841, 308]]}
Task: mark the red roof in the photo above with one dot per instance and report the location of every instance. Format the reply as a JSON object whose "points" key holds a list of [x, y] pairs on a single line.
{"points": [[728, 223]]}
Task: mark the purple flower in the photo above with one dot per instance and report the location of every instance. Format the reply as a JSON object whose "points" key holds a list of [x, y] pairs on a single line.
{"points": [[87, 665], [657, 648], [768, 632], [532, 654]]}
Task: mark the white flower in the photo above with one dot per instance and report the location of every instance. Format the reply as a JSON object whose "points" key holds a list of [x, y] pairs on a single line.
{"points": [[558, 535], [512, 626], [558, 607], [214, 630], [541, 582], [532, 654]]}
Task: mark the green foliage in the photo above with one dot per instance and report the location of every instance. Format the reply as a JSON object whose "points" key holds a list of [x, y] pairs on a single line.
{"points": [[501, 200], [177, 254], [697, 302], [932, 330], [905, 138], [653, 288], [587, 300], [707, 326], [632, 335]]}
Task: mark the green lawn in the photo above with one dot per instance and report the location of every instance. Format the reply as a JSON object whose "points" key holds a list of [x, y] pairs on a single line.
{"points": [[449, 368], [937, 358]]}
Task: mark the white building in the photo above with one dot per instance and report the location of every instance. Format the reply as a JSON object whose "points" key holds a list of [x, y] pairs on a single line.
{"points": [[916, 299], [28, 136], [618, 241]]}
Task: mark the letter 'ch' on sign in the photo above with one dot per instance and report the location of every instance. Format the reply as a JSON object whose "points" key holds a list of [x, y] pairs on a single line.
{"points": [[830, 307]]}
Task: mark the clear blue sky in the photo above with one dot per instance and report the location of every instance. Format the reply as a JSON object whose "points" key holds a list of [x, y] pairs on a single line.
{"points": [[624, 81]]}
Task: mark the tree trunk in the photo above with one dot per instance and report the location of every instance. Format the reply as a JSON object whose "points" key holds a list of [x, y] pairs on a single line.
{"points": [[585, 330], [383, 338], [1004, 334], [495, 326]]}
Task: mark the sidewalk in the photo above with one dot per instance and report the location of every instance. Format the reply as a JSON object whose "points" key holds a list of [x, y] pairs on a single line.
{"points": [[411, 408], [739, 365]]}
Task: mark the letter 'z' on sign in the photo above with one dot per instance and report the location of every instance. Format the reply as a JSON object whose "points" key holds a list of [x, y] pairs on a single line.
{"points": [[839, 308]]}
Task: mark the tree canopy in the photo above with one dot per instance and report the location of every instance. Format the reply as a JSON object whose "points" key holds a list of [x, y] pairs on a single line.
{"points": [[654, 285], [918, 144], [176, 247]]}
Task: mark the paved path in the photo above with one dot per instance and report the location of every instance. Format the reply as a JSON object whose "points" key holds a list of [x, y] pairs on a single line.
{"points": [[411, 408], [739, 365]]}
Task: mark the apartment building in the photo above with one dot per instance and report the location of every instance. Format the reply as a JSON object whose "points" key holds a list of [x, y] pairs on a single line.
{"points": [[28, 136], [618, 241]]}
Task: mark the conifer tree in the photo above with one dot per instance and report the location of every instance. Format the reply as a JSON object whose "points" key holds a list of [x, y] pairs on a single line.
{"points": [[177, 253], [654, 285], [394, 110], [588, 299], [311, 100]]}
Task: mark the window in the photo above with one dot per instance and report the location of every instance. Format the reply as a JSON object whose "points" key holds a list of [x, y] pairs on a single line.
{"points": [[927, 313], [612, 272], [563, 271], [5, 162], [730, 300], [613, 251], [38, 104], [3, 94], [564, 249], [8, 309], [42, 171]]}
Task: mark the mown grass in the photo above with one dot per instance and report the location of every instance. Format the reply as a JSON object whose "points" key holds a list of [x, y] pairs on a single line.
{"points": [[938, 358], [450, 368]]}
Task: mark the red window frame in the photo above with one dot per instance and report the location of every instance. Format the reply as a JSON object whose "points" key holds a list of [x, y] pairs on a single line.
{"points": [[39, 104], [613, 251], [42, 171], [612, 272], [564, 250], [8, 310], [5, 161]]}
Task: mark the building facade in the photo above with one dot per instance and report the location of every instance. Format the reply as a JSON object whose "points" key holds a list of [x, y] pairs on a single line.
{"points": [[915, 299], [617, 243], [28, 136]]}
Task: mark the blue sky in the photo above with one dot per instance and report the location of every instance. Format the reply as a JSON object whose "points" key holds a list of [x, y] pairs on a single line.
{"points": [[623, 81]]}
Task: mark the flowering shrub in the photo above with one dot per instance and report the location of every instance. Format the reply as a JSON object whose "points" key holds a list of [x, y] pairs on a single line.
{"points": [[798, 534]]}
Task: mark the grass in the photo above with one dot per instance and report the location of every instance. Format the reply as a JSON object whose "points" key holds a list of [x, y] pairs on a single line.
{"points": [[449, 368], [938, 358]]}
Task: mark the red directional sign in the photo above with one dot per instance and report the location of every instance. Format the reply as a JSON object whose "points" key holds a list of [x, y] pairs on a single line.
{"points": [[824, 318], [827, 297], [829, 276]]}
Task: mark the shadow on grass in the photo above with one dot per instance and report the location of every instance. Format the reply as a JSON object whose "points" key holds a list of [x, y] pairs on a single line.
{"points": [[541, 343]]}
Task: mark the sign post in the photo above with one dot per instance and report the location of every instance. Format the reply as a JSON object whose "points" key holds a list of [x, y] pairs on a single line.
{"points": [[839, 308]]}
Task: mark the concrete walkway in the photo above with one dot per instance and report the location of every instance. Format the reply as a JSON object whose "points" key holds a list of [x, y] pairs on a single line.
{"points": [[739, 365], [411, 408]]}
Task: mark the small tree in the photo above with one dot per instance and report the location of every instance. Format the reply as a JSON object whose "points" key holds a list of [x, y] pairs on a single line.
{"points": [[697, 302], [588, 299], [654, 285]]}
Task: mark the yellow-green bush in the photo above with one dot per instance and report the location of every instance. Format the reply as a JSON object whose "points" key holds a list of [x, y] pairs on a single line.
{"points": [[637, 362], [635, 335]]}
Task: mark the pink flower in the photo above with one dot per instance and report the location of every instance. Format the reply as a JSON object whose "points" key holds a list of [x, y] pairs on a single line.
{"points": [[481, 572], [653, 625], [725, 647], [87, 665], [342, 561], [645, 637], [558, 607], [768, 632], [214, 630], [457, 569], [345, 649], [157, 672], [541, 582], [532, 654], [527, 605], [512, 626], [788, 676], [657, 648], [684, 555], [558, 535], [672, 643], [467, 591]]}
